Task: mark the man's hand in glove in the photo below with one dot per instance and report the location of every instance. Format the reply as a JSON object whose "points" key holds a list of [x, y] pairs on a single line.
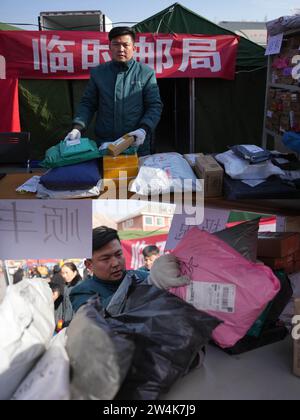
{"points": [[165, 273], [139, 135], [74, 136]]}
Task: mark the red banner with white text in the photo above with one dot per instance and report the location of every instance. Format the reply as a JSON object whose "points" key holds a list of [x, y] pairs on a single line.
{"points": [[133, 249], [71, 54]]}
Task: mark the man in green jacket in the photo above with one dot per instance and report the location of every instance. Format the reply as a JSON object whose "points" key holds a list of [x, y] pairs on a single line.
{"points": [[109, 271], [124, 94]]}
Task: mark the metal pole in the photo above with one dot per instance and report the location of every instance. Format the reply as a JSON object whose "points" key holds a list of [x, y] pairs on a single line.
{"points": [[264, 139], [192, 115], [175, 114], [40, 23]]}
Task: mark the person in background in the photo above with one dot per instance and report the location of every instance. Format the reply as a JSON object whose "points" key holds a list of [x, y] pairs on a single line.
{"points": [[57, 278], [72, 279], [58, 298], [109, 270], [150, 254], [34, 273], [87, 273], [123, 93], [44, 272], [18, 276]]}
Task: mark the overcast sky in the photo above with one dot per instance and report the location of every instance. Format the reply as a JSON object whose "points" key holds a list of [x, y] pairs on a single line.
{"points": [[20, 11]]}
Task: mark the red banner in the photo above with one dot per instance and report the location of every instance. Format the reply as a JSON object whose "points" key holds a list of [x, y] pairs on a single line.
{"points": [[71, 54], [9, 106], [133, 249]]}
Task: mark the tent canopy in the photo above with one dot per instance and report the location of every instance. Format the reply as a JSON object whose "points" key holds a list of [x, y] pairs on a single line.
{"points": [[226, 112], [6, 27], [178, 19]]}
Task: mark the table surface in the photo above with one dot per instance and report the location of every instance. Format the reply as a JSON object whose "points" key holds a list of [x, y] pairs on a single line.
{"points": [[262, 374], [11, 181]]}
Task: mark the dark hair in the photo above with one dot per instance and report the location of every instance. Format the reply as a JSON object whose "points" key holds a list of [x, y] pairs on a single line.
{"points": [[121, 30], [56, 269], [150, 250], [73, 267], [56, 288], [102, 236]]}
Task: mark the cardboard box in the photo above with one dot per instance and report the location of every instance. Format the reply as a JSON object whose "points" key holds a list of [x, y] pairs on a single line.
{"points": [[292, 224], [191, 158], [208, 169], [286, 263], [118, 146], [296, 368], [277, 244]]}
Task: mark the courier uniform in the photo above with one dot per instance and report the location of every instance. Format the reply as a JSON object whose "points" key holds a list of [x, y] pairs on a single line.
{"points": [[125, 97]]}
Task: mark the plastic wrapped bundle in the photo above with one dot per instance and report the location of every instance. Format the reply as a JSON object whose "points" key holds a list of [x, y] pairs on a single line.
{"points": [[99, 358], [26, 329], [224, 284], [164, 173], [49, 380]]}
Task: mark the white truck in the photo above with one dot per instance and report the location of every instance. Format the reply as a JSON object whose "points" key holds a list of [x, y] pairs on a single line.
{"points": [[90, 20]]}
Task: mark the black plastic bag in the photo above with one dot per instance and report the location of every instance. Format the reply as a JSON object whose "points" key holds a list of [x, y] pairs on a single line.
{"points": [[168, 334], [243, 238], [99, 357]]}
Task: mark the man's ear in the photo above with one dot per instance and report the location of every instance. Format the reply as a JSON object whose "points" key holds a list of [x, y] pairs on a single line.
{"points": [[89, 264]]}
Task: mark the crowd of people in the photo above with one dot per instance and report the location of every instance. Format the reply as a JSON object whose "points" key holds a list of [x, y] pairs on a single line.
{"points": [[63, 278]]}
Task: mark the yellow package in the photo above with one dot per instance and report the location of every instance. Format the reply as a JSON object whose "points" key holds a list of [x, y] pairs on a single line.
{"points": [[112, 166]]}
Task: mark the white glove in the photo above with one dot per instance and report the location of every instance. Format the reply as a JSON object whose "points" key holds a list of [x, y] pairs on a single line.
{"points": [[73, 137], [165, 273], [139, 135]]}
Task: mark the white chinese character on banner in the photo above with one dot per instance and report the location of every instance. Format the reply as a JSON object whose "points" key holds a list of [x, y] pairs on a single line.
{"points": [[137, 258], [145, 52], [200, 53], [59, 59], [2, 68], [96, 52], [164, 58], [61, 224]]}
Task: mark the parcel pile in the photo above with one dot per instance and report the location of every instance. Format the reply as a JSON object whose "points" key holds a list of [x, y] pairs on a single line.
{"points": [[74, 171], [82, 170], [147, 338], [230, 282], [253, 172]]}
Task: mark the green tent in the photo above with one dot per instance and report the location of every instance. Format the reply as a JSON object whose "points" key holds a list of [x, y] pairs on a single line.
{"points": [[6, 27], [179, 19], [209, 114]]}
